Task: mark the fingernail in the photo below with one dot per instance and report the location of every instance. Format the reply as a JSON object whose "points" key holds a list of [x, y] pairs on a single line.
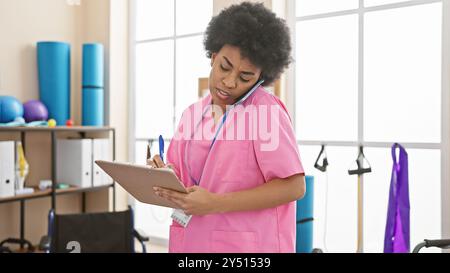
{"points": [[155, 188]]}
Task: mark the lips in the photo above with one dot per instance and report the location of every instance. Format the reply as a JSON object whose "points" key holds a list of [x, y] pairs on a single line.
{"points": [[222, 94]]}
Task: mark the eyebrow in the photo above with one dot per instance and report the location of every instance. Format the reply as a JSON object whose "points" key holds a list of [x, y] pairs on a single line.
{"points": [[243, 72]]}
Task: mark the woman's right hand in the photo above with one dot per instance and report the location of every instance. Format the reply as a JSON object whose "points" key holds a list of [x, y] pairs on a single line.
{"points": [[156, 162]]}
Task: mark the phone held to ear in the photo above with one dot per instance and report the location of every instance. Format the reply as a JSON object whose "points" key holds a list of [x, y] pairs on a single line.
{"points": [[246, 95]]}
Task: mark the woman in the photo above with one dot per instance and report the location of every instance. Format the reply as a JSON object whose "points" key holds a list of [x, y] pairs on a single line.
{"points": [[241, 190]]}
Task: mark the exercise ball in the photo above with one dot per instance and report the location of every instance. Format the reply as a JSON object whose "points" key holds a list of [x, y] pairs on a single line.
{"points": [[35, 110], [10, 109]]}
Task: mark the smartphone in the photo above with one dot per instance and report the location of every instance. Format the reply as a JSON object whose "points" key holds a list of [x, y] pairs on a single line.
{"points": [[246, 95]]}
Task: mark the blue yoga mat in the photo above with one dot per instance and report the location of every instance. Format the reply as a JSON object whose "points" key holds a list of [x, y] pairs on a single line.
{"points": [[305, 212], [92, 65], [93, 93], [92, 107], [54, 79]]}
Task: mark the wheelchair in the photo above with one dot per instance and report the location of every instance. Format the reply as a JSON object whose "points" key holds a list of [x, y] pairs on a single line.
{"points": [[443, 244], [105, 232]]}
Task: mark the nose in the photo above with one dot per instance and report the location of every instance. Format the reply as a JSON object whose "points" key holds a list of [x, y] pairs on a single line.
{"points": [[229, 81]]}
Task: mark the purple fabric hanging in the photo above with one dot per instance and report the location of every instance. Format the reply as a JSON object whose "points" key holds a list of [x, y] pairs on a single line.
{"points": [[396, 238]]}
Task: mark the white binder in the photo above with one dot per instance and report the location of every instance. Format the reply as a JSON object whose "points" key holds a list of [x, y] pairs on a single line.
{"points": [[7, 164], [101, 150], [74, 162]]}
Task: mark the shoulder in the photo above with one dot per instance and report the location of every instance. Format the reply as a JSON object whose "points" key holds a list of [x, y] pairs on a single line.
{"points": [[200, 104], [262, 97]]}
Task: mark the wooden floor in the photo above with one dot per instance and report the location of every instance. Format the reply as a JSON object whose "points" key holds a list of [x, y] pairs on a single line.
{"points": [[152, 248]]}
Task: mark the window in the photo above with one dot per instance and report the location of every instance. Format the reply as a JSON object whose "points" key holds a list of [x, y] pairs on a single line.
{"points": [[311, 7], [167, 58], [326, 50], [370, 72], [403, 74]]}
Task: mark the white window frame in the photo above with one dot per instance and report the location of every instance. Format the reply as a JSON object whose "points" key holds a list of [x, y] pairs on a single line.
{"points": [[132, 64], [443, 146]]}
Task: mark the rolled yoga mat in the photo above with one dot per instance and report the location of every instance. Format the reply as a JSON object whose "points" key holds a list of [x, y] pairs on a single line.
{"points": [[92, 107], [305, 212], [93, 92], [54, 79]]}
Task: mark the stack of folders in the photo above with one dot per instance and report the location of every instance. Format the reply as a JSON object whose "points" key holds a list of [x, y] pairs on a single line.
{"points": [[75, 164]]}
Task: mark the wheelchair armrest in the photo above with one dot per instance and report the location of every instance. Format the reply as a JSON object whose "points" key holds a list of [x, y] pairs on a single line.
{"points": [[44, 244], [444, 244], [438, 243], [140, 235]]}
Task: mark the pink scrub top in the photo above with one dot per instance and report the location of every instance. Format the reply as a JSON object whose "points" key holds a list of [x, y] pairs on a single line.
{"points": [[236, 164]]}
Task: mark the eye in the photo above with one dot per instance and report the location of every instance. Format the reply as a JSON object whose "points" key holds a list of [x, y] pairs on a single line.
{"points": [[223, 68], [244, 80]]}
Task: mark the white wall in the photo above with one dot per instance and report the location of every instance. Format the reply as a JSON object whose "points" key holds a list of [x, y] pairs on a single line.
{"points": [[22, 24], [117, 108]]}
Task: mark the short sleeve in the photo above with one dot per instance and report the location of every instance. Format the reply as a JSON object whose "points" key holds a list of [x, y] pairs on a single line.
{"points": [[172, 158], [173, 151], [275, 145]]}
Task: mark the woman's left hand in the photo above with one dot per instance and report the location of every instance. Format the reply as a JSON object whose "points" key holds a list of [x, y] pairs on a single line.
{"points": [[197, 201]]}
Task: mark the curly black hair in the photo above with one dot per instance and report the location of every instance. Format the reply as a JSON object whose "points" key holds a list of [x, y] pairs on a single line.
{"points": [[260, 35]]}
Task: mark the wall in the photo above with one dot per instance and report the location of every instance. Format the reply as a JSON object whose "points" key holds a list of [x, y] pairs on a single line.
{"points": [[22, 24], [118, 91], [25, 22]]}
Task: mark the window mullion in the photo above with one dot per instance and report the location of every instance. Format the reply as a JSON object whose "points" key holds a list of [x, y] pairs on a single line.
{"points": [[174, 65], [360, 72]]}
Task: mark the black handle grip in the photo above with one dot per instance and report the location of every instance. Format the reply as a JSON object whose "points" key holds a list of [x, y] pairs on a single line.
{"points": [[360, 171], [437, 243]]}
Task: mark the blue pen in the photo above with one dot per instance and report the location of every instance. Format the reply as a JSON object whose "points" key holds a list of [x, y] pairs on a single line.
{"points": [[161, 147]]}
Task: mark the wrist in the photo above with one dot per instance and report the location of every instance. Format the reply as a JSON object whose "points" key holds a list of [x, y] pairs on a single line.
{"points": [[221, 203]]}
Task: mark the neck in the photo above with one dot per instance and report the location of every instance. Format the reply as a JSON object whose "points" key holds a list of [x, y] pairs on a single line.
{"points": [[222, 106]]}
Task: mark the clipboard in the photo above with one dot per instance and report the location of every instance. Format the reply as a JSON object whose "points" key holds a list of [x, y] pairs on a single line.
{"points": [[139, 180]]}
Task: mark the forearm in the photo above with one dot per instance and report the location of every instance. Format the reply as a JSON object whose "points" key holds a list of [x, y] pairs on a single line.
{"points": [[271, 194]]}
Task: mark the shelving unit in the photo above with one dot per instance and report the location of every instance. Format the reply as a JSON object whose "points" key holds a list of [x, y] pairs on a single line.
{"points": [[79, 131]]}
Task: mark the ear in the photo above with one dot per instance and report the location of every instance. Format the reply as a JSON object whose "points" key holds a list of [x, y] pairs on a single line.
{"points": [[213, 58]]}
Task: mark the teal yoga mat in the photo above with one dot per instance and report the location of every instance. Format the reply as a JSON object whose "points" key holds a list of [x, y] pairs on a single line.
{"points": [[305, 212], [93, 85], [54, 79]]}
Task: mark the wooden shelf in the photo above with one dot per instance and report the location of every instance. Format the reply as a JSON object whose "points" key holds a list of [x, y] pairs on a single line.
{"points": [[36, 194], [48, 192], [77, 189]]}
